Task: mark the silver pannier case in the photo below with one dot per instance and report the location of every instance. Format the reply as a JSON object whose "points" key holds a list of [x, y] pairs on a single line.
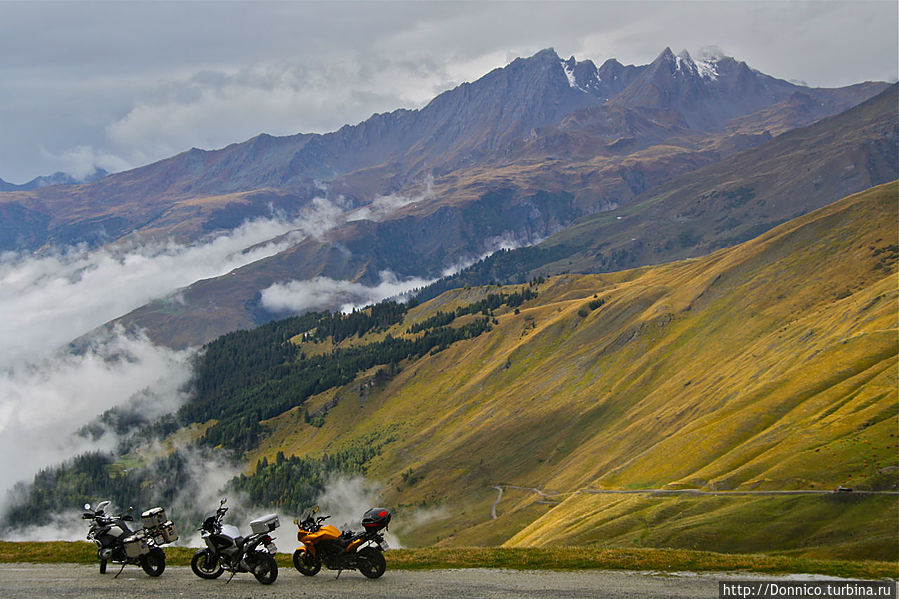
{"points": [[265, 524], [169, 534], [153, 518], [135, 546]]}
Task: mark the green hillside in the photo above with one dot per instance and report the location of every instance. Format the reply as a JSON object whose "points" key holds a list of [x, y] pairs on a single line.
{"points": [[768, 366], [534, 415]]}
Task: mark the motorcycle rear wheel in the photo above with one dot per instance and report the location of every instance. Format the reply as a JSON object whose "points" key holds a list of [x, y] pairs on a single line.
{"points": [[306, 563], [153, 562], [371, 562], [206, 565], [266, 569]]}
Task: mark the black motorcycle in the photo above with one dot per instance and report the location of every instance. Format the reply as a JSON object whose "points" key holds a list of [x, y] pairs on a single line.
{"points": [[118, 543], [226, 549]]}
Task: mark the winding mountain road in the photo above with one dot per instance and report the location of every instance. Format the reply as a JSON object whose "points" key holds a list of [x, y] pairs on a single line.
{"points": [[546, 495]]}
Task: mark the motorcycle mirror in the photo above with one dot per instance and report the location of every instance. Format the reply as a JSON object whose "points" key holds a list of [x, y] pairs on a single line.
{"points": [[224, 499], [315, 510], [297, 522]]}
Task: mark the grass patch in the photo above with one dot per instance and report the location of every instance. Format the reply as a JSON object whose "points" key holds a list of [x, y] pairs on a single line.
{"points": [[555, 558]]}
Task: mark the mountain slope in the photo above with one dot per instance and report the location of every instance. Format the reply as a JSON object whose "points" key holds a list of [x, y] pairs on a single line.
{"points": [[500, 416], [720, 204], [704, 209], [771, 365]]}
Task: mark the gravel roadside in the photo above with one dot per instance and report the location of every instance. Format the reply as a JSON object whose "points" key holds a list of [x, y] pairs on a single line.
{"points": [[58, 581]]}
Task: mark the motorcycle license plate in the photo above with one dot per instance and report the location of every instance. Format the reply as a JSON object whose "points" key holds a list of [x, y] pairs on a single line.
{"points": [[384, 546], [271, 548]]}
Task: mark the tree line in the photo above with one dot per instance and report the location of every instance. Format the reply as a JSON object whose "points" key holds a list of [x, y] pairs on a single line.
{"points": [[245, 377], [294, 483]]}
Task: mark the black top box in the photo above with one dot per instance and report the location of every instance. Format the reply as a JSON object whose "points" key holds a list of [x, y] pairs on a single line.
{"points": [[376, 518]]}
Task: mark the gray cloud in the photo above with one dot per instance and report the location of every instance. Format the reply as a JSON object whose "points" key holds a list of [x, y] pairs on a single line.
{"points": [[48, 392], [43, 402], [322, 292], [123, 84], [47, 301]]}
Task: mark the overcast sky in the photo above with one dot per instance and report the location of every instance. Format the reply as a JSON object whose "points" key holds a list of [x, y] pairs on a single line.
{"points": [[122, 84]]}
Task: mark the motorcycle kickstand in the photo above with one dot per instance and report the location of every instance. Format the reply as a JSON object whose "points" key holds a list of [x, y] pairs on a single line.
{"points": [[338, 573], [119, 572], [233, 572]]}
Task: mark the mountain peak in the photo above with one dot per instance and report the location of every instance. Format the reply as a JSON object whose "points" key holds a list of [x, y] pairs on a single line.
{"points": [[546, 53], [544, 56], [666, 56]]}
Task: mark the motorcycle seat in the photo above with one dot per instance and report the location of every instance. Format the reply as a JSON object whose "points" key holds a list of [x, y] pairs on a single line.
{"points": [[239, 541]]}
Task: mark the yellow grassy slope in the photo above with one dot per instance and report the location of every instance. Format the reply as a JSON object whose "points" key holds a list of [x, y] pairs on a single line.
{"points": [[771, 365]]}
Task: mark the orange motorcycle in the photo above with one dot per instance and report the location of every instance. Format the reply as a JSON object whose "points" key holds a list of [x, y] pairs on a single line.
{"points": [[340, 551]]}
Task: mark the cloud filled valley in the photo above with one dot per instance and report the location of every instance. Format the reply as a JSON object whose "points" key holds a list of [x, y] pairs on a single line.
{"points": [[48, 390], [63, 368]]}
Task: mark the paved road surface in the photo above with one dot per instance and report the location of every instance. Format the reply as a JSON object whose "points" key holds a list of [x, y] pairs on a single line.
{"points": [[60, 581]]}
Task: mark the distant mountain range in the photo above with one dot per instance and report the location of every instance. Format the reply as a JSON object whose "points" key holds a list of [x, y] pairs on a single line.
{"points": [[57, 178], [517, 155]]}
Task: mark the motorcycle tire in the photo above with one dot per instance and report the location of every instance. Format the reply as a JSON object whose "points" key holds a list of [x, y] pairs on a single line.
{"points": [[153, 562], [371, 562], [265, 569], [206, 565], [102, 566], [306, 563]]}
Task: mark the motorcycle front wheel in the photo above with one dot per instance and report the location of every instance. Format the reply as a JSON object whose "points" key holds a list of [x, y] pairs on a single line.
{"points": [[206, 565], [266, 569], [306, 563], [153, 563], [371, 562]]}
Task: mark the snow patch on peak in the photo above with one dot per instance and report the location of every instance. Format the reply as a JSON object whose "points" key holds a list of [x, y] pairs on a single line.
{"points": [[708, 69], [569, 73], [568, 67], [683, 62], [709, 57]]}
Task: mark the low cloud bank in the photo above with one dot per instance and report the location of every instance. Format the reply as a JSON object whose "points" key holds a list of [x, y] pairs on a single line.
{"points": [[47, 391], [47, 301], [322, 292], [42, 403], [383, 206]]}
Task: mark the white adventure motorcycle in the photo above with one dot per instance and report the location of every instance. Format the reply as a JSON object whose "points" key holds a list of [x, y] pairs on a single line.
{"points": [[117, 543]]}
